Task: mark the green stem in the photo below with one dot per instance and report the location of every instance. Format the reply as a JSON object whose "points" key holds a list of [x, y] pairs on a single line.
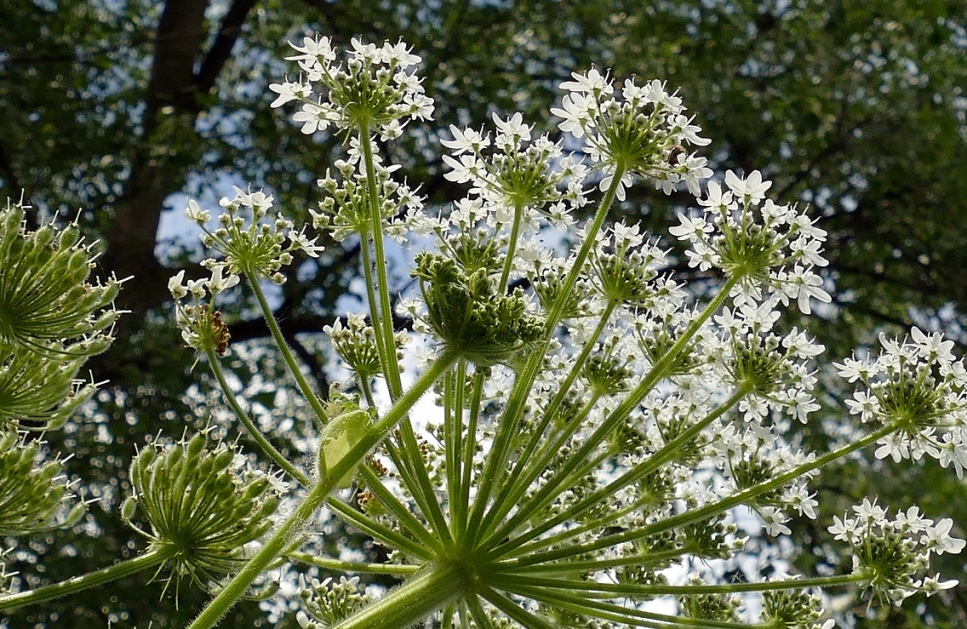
{"points": [[279, 541], [512, 245], [76, 584], [624, 615], [427, 592], [375, 316], [287, 356], [533, 464], [701, 513], [328, 563], [496, 465], [453, 437], [381, 313], [515, 611], [665, 454], [622, 590], [422, 548], [462, 512], [391, 369], [659, 370], [250, 426]]}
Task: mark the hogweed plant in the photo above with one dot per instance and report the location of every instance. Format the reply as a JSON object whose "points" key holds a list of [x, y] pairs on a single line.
{"points": [[599, 433]]}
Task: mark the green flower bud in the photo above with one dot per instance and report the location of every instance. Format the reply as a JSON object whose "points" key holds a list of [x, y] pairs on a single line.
{"points": [[128, 507], [38, 392], [46, 301], [33, 491], [470, 316], [200, 505]]}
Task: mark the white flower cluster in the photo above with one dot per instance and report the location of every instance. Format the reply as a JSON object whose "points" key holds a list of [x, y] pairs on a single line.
{"points": [[773, 368], [346, 208], [645, 132], [894, 555], [373, 90], [919, 388], [772, 248], [517, 173], [599, 425], [249, 245]]}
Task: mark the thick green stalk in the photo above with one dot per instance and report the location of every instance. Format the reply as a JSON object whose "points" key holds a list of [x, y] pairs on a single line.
{"points": [[381, 314], [430, 590], [76, 584], [512, 245], [328, 563], [282, 536], [287, 356], [461, 512]]}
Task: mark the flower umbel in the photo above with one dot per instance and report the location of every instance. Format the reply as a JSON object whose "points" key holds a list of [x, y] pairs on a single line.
{"points": [[33, 492], [470, 316], [644, 132], [47, 303], [893, 555], [374, 89], [202, 505], [917, 387], [248, 242]]}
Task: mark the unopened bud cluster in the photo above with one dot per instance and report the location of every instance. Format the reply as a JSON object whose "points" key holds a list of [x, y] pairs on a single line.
{"points": [[52, 319], [32, 489], [203, 505]]}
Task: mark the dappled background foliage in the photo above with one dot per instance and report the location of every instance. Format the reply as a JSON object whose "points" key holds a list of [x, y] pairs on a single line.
{"points": [[113, 111]]}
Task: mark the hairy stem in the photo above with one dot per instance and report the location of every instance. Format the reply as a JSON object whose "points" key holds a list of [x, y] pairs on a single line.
{"points": [[149, 559]]}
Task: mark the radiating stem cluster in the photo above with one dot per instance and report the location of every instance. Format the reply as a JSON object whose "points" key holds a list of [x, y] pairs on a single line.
{"points": [[596, 428]]}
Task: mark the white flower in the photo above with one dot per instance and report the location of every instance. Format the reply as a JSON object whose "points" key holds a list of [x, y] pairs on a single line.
{"points": [[400, 54], [218, 284], [591, 83], [843, 530], [688, 130], [197, 288], [939, 540], [300, 242], [366, 52], [752, 189], [802, 285], [933, 346], [511, 131], [576, 114], [289, 92], [313, 50], [314, 118], [717, 199], [655, 92], [195, 214], [870, 512], [463, 171], [694, 229], [175, 287], [467, 140]]}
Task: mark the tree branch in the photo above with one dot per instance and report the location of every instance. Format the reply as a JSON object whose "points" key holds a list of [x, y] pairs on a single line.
{"points": [[221, 50]]}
